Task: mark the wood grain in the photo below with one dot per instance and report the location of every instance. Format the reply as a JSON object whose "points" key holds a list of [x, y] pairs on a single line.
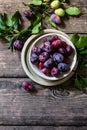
{"points": [[44, 106], [47, 108], [10, 63], [42, 128]]}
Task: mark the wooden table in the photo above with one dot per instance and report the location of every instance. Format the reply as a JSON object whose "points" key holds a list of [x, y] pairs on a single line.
{"points": [[49, 108]]}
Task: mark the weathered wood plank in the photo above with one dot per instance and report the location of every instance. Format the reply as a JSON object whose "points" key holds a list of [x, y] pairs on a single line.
{"points": [[42, 128], [45, 106], [10, 63], [72, 24]]}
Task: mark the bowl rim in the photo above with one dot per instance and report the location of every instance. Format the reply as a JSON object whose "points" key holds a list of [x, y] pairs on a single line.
{"points": [[28, 70], [38, 71]]}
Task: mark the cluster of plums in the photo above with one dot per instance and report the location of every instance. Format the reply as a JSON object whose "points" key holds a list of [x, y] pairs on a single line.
{"points": [[53, 57], [58, 12]]}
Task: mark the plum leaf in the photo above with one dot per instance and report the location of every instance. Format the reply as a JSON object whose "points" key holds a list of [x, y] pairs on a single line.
{"points": [[73, 10], [84, 52], [36, 2], [74, 38], [8, 20], [51, 23], [36, 28], [78, 83], [82, 42], [16, 20]]}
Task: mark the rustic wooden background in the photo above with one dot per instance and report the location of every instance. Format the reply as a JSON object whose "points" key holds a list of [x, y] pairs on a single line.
{"points": [[48, 108]]}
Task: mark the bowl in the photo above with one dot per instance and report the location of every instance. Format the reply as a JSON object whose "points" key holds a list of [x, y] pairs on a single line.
{"points": [[38, 42], [33, 71]]}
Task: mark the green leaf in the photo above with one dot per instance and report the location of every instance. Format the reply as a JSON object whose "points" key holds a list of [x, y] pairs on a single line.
{"points": [[84, 80], [23, 33], [82, 42], [36, 28], [10, 46], [1, 18], [79, 84], [83, 52], [2, 27], [36, 2], [52, 23], [73, 10], [8, 20], [16, 20], [85, 65], [74, 38], [36, 24], [37, 19], [4, 36]]}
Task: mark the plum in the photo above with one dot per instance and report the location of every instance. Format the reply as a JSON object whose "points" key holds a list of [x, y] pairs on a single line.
{"points": [[54, 37], [17, 44], [69, 49], [54, 71], [56, 43], [41, 65], [60, 12], [48, 63], [57, 57], [62, 50], [27, 85], [43, 56], [37, 50], [55, 4], [47, 46], [28, 14], [63, 67], [56, 19], [34, 58], [46, 71]]}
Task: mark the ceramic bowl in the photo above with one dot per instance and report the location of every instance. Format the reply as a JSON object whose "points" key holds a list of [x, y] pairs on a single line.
{"points": [[33, 71], [38, 42]]}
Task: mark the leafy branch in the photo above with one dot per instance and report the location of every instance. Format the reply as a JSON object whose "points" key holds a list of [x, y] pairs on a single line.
{"points": [[80, 43], [10, 28], [38, 11]]}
